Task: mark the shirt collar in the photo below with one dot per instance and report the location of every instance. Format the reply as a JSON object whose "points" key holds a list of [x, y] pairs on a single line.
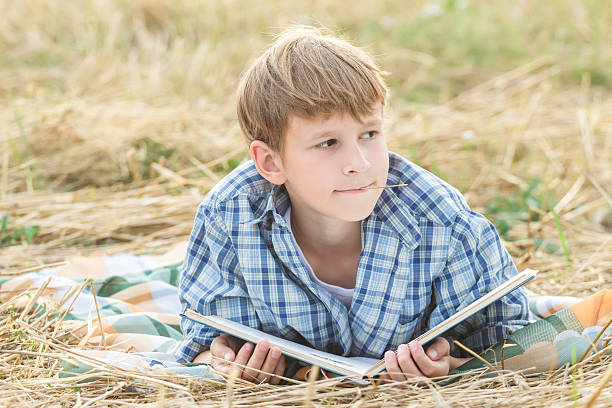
{"points": [[276, 203], [389, 210], [393, 213]]}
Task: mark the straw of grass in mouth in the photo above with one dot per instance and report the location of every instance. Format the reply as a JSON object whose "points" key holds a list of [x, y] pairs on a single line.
{"points": [[389, 186]]}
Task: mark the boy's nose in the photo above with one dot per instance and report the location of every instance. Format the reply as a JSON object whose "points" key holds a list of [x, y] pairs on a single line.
{"points": [[355, 160]]}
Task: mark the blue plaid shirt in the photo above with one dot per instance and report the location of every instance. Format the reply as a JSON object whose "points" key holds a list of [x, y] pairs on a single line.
{"points": [[425, 255]]}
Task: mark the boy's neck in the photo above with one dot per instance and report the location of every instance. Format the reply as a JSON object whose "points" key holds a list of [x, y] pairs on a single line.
{"points": [[325, 236]]}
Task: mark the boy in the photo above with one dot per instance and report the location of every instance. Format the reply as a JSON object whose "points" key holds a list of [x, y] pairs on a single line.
{"points": [[298, 244]]}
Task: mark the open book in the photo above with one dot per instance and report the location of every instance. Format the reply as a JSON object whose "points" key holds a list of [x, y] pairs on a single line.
{"points": [[355, 367]]}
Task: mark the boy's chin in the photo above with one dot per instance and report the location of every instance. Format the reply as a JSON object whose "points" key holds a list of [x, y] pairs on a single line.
{"points": [[351, 215]]}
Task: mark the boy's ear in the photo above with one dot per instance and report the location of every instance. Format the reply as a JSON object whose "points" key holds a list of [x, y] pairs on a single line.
{"points": [[268, 162]]}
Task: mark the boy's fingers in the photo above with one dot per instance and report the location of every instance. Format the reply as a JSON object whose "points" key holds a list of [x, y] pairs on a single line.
{"points": [[280, 370], [439, 348], [220, 350], [406, 362], [269, 365], [393, 369], [385, 377], [256, 361], [427, 367], [243, 356], [219, 366], [203, 357]]}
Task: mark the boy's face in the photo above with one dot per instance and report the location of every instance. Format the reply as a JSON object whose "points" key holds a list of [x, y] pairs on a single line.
{"points": [[326, 160]]}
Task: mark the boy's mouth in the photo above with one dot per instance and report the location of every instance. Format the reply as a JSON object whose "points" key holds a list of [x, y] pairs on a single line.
{"points": [[361, 189]]}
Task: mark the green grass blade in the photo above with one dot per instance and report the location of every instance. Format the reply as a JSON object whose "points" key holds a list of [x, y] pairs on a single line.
{"points": [[30, 170], [566, 250]]}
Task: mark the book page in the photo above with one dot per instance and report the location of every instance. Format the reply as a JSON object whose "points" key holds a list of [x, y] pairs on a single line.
{"points": [[332, 362]]}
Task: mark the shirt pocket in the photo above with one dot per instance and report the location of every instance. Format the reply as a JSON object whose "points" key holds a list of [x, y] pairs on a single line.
{"points": [[403, 333], [413, 319], [417, 303], [268, 320]]}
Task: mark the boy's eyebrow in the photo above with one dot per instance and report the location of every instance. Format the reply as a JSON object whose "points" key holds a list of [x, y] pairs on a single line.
{"points": [[324, 135], [372, 122], [368, 123]]}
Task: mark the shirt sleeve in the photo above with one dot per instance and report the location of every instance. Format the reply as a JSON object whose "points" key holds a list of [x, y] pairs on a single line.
{"points": [[477, 263], [210, 284]]}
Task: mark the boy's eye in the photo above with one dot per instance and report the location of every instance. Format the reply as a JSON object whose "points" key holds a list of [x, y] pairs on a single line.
{"points": [[330, 142], [369, 135], [327, 143]]}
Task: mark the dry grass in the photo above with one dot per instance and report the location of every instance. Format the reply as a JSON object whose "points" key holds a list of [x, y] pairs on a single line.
{"points": [[118, 118], [29, 375]]}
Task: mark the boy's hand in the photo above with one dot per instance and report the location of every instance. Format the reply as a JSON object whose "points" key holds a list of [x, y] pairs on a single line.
{"points": [[261, 357], [412, 361]]}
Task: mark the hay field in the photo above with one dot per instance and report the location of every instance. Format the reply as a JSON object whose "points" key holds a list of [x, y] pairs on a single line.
{"points": [[117, 117]]}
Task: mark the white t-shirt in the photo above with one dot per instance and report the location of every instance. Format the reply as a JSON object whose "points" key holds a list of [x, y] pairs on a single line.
{"points": [[344, 295]]}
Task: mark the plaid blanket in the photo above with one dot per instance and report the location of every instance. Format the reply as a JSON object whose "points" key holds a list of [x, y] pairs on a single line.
{"points": [[138, 301], [567, 330]]}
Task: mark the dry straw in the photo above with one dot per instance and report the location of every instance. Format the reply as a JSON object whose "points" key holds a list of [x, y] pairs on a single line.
{"points": [[39, 385], [148, 217]]}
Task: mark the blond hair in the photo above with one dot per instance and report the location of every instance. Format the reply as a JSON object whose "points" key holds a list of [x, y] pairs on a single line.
{"points": [[306, 73]]}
